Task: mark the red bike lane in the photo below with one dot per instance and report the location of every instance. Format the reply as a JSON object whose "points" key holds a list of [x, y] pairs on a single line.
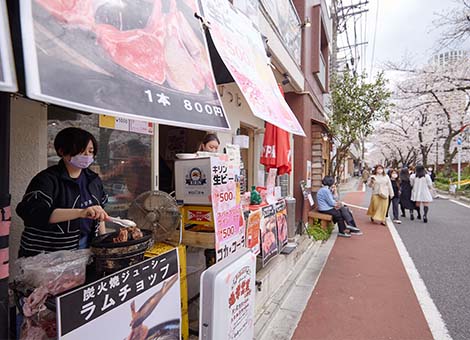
{"points": [[363, 291]]}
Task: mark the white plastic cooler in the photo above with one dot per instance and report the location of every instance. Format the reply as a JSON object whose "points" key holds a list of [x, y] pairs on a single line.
{"points": [[193, 181]]}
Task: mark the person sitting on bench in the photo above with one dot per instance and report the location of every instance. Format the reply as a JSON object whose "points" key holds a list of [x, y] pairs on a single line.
{"points": [[327, 204]]}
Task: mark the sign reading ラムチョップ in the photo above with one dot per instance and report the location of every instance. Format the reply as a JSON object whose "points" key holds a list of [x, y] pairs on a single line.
{"points": [[241, 49], [138, 59], [7, 67], [139, 302]]}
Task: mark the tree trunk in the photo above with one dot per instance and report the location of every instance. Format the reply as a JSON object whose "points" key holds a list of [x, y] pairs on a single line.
{"points": [[447, 157]]}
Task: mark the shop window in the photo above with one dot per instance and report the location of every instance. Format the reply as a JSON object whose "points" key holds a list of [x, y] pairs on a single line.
{"points": [[124, 159]]}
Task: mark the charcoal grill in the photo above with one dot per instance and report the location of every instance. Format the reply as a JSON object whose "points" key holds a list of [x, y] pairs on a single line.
{"points": [[111, 257]]}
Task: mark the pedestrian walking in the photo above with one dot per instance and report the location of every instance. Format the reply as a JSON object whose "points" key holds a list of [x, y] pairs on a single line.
{"points": [[381, 192], [365, 175], [405, 194], [395, 201], [432, 174], [421, 184]]}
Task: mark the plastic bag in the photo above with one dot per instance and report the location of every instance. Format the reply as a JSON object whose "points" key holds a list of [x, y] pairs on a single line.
{"points": [[42, 327], [57, 271]]}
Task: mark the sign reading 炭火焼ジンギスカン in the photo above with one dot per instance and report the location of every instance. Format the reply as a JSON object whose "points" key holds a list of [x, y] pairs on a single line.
{"points": [[144, 298], [228, 222], [241, 49], [139, 59], [7, 65]]}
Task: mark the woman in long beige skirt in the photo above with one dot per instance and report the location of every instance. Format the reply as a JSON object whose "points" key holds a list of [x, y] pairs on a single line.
{"points": [[382, 191]]}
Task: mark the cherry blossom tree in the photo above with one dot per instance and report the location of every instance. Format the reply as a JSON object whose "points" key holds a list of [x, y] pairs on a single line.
{"points": [[435, 100], [454, 23]]}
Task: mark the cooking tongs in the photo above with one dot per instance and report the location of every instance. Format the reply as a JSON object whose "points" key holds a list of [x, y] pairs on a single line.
{"points": [[121, 221]]}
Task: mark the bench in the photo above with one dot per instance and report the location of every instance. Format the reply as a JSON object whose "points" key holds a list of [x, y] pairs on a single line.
{"points": [[324, 218]]}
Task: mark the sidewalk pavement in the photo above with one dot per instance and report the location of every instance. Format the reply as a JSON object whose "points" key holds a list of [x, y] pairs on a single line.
{"points": [[363, 291]]}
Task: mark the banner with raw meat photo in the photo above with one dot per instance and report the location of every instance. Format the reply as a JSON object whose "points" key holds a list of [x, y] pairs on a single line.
{"points": [[7, 65], [139, 59], [242, 50], [269, 235], [281, 219], [140, 302]]}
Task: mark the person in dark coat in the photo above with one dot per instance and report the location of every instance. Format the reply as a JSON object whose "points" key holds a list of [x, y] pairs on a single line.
{"points": [[396, 195], [405, 194]]}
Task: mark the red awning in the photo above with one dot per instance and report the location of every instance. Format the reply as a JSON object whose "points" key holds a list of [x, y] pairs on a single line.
{"points": [[276, 150]]}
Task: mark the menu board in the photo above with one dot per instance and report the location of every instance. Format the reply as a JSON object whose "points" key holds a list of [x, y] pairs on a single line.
{"points": [[228, 222], [138, 59], [7, 65], [253, 231], [241, 48]]}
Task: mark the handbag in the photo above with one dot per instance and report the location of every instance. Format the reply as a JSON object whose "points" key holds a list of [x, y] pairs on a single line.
{"points": [[382, 195]]}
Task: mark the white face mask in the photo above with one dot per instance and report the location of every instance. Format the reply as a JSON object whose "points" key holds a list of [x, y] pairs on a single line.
{"points": [[394, 176], [380, 171]]}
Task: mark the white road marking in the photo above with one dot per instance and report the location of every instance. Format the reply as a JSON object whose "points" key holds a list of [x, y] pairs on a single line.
{"points": [[355, 206], [460, 203], [431, 313]]}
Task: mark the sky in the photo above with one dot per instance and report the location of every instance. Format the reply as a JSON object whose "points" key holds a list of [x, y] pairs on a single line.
{"points": [[404, 30]]}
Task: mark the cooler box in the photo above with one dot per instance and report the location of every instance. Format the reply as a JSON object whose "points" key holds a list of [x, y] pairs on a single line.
{"points": [[227, 307], [193, 181]]}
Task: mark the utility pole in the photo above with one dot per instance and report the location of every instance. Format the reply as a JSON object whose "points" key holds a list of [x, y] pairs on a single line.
{"points": [[334, 39], [339, 18]]}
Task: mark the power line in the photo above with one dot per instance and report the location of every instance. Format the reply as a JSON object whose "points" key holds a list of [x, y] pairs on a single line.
{"points": [[342, 14]]}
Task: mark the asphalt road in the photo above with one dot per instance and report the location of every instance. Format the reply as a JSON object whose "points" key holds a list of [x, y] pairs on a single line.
{"points": [[440, 251]]}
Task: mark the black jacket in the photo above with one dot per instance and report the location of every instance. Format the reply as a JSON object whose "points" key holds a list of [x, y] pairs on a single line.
{"points": [[396, 189], [53, 188]]}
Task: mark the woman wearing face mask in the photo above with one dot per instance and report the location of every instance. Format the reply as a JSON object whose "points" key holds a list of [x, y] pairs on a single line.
{"points": [[396, 195], [405, 194], [382, 190], [421, 190], [62, 208]]}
